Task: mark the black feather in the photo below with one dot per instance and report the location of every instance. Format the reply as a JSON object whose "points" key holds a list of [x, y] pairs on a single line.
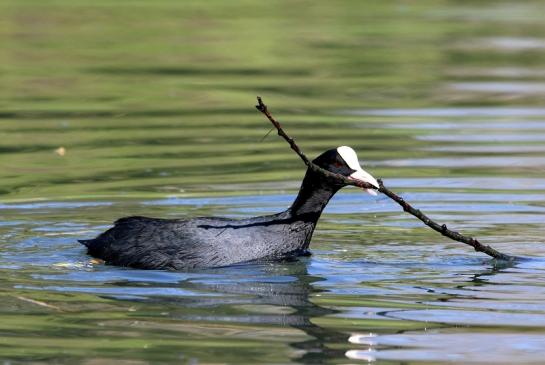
{"points": [[152, 243]]}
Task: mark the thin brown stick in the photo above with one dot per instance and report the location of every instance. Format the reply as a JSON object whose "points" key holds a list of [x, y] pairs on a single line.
{"points": [[473, 242], [38, 302], [263, 109], [456, 236]]}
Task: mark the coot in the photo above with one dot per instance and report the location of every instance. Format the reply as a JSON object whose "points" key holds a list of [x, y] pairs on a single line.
{"points": [[204, 242]]}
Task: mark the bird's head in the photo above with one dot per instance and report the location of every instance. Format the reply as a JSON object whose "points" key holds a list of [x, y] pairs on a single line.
{"points": [[344, 161]]}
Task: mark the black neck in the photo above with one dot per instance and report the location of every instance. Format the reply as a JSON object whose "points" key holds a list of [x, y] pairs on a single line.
{"points": [[314, 194]]}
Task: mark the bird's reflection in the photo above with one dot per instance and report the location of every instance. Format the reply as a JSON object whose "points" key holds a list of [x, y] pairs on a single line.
{"points": [[285, 285]]}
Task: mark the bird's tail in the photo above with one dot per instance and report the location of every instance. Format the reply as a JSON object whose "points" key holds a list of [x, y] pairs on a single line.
{"points": [[87, 243]]}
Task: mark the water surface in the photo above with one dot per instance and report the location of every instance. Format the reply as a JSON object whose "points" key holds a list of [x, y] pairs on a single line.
{"points": [[153, 104]]}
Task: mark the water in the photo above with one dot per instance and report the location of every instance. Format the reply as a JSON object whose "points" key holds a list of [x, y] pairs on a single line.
{"points": [[153, 104]]}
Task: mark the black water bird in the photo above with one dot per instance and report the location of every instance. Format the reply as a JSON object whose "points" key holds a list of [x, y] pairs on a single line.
{"points": [[204, 242]]}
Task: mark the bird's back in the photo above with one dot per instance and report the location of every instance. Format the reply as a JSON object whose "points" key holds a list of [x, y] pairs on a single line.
{"points": [[152, 243]]}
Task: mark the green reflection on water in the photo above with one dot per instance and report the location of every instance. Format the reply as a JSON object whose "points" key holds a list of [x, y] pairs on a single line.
{"points": [[155, 99]]}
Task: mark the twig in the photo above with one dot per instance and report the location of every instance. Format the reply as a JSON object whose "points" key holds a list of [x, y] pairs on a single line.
{"points": [[456, 236], [473, 242], [37, 302], [343, 179]]}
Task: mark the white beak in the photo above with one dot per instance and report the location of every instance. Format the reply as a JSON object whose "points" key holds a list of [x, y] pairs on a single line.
{"points": [[349, 156], [363, 175]]}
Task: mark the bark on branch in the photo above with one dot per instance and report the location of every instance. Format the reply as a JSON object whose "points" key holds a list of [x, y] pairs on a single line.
{"points": [[441, 228]]}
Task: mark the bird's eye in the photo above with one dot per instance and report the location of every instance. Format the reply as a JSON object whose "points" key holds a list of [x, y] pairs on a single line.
{"points": [[338, 164]]}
